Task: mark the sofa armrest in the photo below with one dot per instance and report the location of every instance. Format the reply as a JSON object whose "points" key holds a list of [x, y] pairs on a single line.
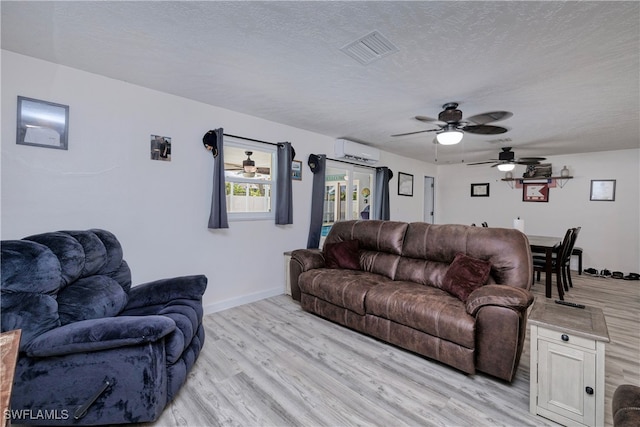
{"points": [[100, 334], [308, 258], [499, 295], [165, 290], [303, 260]]}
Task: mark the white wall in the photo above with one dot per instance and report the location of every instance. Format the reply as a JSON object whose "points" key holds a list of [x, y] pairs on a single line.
{"points": [[158, 210], [610, 235]]}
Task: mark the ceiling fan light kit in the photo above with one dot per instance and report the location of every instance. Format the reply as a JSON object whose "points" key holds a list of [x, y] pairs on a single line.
{"points": [[449, 137], [506, 167]]}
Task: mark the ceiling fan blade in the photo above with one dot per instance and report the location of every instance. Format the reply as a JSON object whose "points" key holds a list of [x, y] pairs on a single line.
{"points": [[492, 116], [426, 119], [485, 129], [413, 133], [479, 163], [537, 159]]}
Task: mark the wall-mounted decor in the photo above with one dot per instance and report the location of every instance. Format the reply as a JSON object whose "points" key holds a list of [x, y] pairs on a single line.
{"points": [[296, 170], [603, 190], [405, 184], [160, 148], [480, 190], [541, 170], [535, 192], [42, 123]]}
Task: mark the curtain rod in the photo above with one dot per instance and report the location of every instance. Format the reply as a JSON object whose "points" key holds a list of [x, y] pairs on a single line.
{"points": [[251, 139], [352, 163]]}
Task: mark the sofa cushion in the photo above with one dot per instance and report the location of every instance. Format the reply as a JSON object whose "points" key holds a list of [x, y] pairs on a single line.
{"points": [[343, 288], [424, 308], [465, 275], [342, 255], [374, 235], [92, 297]]}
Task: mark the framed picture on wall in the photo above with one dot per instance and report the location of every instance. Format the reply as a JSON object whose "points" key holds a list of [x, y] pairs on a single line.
{"points": [[603, 190], [296, 170], [405, 184], [42, 123], [480, 190], [535, 192]]}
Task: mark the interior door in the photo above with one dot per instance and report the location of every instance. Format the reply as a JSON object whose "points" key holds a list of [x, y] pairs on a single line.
{"points": [[429, 204]]}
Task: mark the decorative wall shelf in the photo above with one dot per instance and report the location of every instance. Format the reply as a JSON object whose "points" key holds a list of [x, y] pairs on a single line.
{"points": [[560, 180]]}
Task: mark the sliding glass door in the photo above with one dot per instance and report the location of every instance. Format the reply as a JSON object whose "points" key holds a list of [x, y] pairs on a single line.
{"points": [[348, 193]]}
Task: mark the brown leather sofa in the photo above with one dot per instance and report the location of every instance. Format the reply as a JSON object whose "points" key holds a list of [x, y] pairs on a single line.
{"points": [[625, 406], [395, 293]]}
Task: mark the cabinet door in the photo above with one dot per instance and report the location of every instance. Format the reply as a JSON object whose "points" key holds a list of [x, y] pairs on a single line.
{"points": [[564, 373]]}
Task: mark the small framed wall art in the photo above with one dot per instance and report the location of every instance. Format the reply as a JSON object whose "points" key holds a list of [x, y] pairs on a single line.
{"points": [[535, 192], [160, 148], [296, 170], [603, 190], [480, 190], [42, 123], [405, 184]]}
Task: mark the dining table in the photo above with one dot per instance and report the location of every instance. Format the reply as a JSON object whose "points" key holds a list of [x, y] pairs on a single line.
{"points": [[546, 245]]}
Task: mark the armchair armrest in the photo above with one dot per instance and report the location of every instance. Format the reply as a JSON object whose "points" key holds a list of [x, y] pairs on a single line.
{"points": [[499, 295], [308, 258], [165, 290], [100, 334]]}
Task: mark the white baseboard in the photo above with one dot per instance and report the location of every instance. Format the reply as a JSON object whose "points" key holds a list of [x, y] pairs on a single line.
{"points": [[245, 299]]}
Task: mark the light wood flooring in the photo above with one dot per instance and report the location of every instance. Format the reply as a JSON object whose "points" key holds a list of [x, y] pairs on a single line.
{"points": [[271, 364]]}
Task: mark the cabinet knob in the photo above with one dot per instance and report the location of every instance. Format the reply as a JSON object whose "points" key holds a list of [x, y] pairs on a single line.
{"points": [[589, 390], [565, 337]]}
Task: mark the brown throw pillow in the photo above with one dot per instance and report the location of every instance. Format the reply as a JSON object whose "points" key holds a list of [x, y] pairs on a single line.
{"points": [[465, 275], [342, 255]]}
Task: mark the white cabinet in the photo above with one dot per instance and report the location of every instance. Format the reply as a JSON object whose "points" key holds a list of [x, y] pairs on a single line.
{"points": [[567, 363], [287, 277]]}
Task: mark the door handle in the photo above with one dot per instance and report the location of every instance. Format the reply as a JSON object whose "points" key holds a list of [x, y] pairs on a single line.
{"points": [[589, 390]]}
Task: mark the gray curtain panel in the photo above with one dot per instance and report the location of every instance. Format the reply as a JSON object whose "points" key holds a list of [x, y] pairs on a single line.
{"points": [[218, 215], [317, 164], [381, 199], [284, 193]]}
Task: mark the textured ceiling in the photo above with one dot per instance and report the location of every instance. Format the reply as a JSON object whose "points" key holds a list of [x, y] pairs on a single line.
{"points": [[569, 71]]}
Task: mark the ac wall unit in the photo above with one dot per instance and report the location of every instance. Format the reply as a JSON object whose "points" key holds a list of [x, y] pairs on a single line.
{"points": [[345, 149]]}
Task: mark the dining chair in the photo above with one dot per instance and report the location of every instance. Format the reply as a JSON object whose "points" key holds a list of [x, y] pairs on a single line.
{"points": [[566, 264], [558, 261]]}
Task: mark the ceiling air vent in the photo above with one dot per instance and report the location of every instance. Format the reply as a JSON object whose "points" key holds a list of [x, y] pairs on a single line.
{"points": [[369, 48], [499, 141]]}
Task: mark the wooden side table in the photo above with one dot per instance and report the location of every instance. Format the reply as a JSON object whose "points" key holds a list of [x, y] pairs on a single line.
{"points": [[9, 346], [567, 363]]}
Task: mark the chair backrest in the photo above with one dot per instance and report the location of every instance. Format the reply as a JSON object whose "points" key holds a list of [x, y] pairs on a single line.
{"points": [[56, 278], [572, 244], [564, 252]]}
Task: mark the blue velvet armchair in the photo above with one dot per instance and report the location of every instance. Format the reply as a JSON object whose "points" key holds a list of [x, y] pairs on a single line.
{"points": [[94, 349]]}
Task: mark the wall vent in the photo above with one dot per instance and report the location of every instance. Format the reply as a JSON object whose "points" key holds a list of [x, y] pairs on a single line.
{"points": [[370, 48]]}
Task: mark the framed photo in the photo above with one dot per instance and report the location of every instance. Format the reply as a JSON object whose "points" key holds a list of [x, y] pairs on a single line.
{"points": [[535, 192], [296, 170], [405, 184], [480, 190], [160, 147], [603, 190], [42, 123]]}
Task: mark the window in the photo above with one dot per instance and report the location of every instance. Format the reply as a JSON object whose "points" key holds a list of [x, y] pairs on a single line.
{"points": [[249, 171], [348, 193]]}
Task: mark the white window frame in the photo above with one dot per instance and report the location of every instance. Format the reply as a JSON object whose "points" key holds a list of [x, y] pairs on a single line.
{"points": [[254, 146]]}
